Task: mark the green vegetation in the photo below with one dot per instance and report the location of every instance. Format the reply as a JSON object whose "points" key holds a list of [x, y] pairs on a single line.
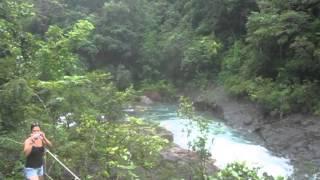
{"points": [[199, 144], [74, 64], [44, 80], [249, 46], [276, 63], [240, 171]]}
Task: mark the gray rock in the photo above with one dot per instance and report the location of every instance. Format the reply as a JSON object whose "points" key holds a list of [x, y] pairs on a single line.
{"points": [[145, 100], [184, 157], [248, 121], [164, 133]]}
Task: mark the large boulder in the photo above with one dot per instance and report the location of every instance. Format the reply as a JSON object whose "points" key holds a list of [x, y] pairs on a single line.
{"points": [[153, 95], [145, 100], [165, 134], [177, 163], [203, 105]]}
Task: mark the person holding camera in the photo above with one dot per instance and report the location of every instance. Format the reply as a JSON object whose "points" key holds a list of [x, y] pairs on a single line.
{"points": [[34, 149]]}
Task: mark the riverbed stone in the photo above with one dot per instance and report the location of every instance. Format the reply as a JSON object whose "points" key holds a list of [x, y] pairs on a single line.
{"points": [[248, 121]]}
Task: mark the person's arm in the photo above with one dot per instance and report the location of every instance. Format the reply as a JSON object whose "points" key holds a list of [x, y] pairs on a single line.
{"points": [[45, 140], [27, 146]]}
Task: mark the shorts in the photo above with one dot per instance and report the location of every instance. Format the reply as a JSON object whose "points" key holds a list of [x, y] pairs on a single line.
{"points": [[29, 172]]}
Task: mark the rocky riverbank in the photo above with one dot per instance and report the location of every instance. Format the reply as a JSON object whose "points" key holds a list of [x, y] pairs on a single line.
{"points": [[175, 162], [295, 136]]}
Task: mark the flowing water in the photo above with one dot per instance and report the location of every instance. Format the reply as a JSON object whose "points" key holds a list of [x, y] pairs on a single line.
{"points": [[225, 144]]}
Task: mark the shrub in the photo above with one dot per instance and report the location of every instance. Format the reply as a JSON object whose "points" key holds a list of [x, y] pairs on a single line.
{"points": [[239, 171]]}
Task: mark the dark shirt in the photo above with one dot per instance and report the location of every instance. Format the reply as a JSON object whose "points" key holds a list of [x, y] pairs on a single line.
{"points": [[35, 158]]}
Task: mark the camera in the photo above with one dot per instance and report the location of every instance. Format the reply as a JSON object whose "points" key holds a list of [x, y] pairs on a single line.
{"points": [[36, 136]]}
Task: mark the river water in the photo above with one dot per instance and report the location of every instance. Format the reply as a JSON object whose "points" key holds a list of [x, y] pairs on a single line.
{"points": [[225, 144]]}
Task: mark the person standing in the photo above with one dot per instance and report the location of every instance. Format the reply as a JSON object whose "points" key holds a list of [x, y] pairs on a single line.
{"points": [[34, 149]]}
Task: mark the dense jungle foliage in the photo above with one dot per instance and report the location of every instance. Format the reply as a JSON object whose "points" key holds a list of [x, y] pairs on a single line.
{"points": [[67, 62]]}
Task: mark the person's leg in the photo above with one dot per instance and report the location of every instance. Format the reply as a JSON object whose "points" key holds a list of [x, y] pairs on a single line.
{"points": [[40, 173], [33, 178]]}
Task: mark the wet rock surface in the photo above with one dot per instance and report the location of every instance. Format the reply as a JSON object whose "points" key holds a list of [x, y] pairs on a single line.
{"points": [[177, 153], [165, 134], [296, 136], [184, 161]]}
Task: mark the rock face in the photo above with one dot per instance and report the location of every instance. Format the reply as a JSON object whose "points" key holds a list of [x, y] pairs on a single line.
{"points": [[296, 136]]}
